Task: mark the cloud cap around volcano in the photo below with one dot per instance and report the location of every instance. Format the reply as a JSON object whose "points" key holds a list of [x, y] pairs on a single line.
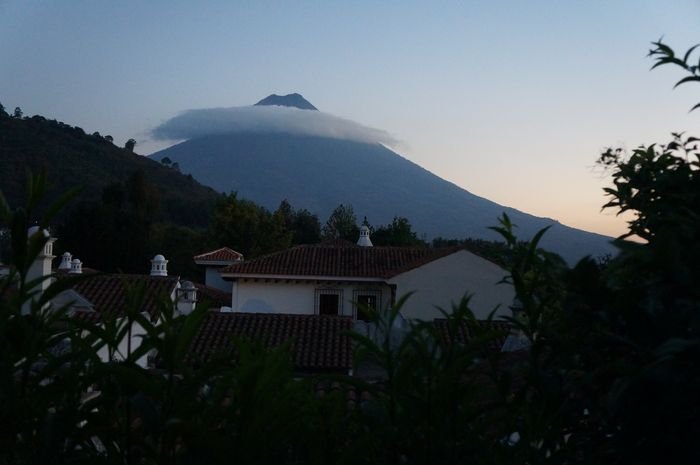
{"points": [[192, 124]]}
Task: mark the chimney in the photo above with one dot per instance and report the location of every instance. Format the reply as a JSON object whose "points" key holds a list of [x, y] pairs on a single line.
{"points": [[159, 266], [42, 264], [516, 340], [186, 298], [41, 267], [364, 240], [76, 266], [65, 262]]}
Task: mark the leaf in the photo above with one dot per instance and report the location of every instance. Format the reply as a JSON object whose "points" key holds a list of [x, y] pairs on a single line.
{"points": [[687, 79], [690, 50], [674, 346]]}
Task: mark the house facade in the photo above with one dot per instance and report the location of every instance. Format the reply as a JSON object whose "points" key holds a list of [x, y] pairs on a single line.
{"points": [[341, 278], [215, 261]]}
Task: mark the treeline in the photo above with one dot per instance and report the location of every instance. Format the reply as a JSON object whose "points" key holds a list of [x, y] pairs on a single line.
{"points": [[76, 130], [120, 231]]}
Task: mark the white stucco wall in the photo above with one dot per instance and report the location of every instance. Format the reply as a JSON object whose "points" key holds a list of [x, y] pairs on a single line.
{"points": [[294, 297], [137, 333], [446, 280], [212, 278]]}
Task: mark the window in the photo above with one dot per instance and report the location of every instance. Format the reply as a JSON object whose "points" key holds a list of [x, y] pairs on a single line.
{"points": [[329, 301], [366, 299]]}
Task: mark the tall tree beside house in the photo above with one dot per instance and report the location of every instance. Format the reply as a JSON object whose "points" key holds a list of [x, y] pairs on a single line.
{"points": [[302, 224], [341, 224], [397, 233], [114, 235], [248, 227]]}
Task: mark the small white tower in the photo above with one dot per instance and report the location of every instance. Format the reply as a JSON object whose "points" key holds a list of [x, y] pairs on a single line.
{"points": [[159, 266], [65, 262], [42, 264], [76, 266], [41, 267], [186, 298], [364, 240]]}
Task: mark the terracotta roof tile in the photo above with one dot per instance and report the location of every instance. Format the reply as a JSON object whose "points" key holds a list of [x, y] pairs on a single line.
{"points": [[224, 254], [340, 261], [318, 342], [463, 333], [212, 296], [108, 293]]}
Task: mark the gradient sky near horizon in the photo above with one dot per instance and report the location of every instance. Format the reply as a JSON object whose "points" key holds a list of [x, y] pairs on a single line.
{"points": [[511, 100]]}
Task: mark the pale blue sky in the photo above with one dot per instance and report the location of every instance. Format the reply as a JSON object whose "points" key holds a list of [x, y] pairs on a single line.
{"points": [[512, 100]]}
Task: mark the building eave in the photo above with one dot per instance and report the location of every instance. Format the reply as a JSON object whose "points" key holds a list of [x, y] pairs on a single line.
{"points": [[215, 262], [237, 276]]}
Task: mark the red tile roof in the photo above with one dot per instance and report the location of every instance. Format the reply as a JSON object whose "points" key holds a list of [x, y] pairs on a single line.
{"points": [[463, 333], [109, 293], [212, 296], [223, 254], [318, 342], [347, 260]]}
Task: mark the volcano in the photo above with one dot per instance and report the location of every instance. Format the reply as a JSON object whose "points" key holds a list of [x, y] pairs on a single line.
{"points": [[319, 172]]}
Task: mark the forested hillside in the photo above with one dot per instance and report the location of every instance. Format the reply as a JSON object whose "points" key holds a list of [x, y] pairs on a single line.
{"points": [[74, 158]]}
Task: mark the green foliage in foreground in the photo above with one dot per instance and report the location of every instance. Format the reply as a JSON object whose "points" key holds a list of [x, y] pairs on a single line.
{"points": [[60, 403], [611, 375]]}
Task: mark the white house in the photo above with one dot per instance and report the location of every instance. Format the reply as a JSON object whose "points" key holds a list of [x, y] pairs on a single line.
{"points": [[105, 296], [215, 261], [331, 278]]}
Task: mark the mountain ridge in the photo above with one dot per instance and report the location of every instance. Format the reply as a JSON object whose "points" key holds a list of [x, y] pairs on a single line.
{"points": [[74, 158]]}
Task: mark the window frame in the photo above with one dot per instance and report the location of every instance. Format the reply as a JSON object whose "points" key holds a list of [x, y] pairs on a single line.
{"points": [[357, 293], [318, 292]]}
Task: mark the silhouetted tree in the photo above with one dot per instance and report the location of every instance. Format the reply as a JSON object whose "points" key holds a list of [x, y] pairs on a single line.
{"points": [[246, 227], [18, 112], [114, 234], [306, 228], [398, 233], [129, 145], [342, 224]]}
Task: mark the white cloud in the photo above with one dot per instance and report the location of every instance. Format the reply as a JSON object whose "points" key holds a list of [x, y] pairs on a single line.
{"points": [[191, 124]]}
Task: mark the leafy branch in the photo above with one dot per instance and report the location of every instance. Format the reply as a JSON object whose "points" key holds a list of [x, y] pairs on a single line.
{"points": [[663, 54]]}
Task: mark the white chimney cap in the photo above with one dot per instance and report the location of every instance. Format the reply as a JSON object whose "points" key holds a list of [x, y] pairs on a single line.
{"points": [[159, 266], [76, 266], [364, 240], [65, 261]]}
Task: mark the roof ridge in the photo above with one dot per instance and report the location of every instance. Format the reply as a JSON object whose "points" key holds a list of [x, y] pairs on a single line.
{"points": [[340, 261], [224, 249]]}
